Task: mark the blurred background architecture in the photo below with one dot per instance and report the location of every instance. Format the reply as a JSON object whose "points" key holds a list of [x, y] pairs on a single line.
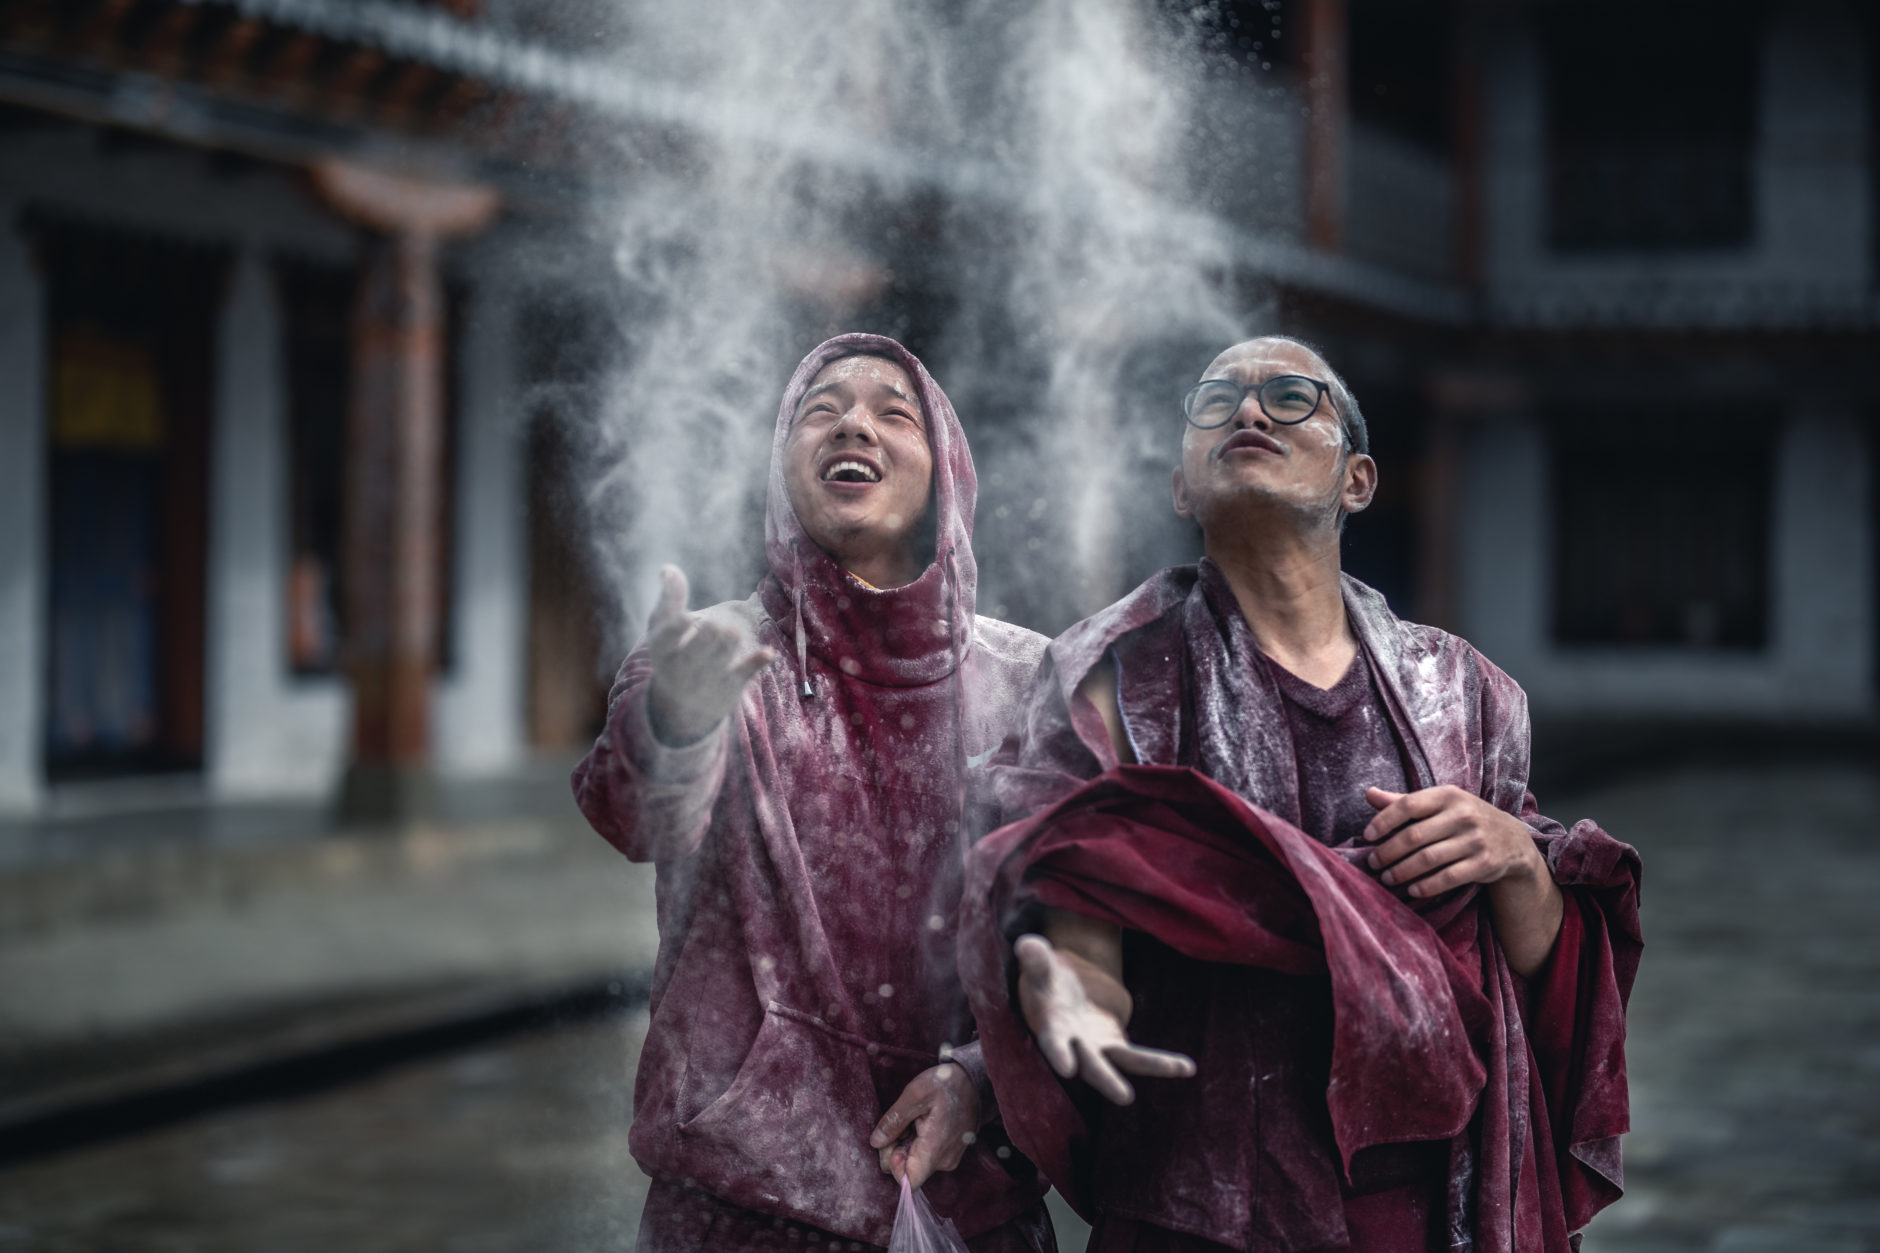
{"points": [[309, 310]]}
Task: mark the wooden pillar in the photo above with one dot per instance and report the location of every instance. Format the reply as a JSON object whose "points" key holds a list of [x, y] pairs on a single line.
{"points": [[394, 477], [1327, 122]]}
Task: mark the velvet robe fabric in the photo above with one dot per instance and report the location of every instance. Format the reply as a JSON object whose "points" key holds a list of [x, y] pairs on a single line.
{"points": [[809, 860], [1433, 1036]]}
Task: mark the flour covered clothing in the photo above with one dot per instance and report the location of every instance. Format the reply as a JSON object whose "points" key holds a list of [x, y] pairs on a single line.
{"points": [[809, 858], [1369, 1068]]}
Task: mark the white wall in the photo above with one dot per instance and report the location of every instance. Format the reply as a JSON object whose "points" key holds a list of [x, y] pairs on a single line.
{"points": [[478, 709], [1818, 665], [269, 733], [1809, 259], [22, 520]]}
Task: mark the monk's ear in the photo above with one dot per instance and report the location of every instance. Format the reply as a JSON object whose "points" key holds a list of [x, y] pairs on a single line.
{"points": [[1360, 482], [1183, 508]]}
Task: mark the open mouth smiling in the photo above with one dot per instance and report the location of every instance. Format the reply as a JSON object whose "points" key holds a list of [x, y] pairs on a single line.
{"points": [[850, 470]]}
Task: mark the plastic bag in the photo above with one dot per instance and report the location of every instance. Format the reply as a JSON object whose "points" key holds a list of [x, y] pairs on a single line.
{"points": [[917, 1229]]}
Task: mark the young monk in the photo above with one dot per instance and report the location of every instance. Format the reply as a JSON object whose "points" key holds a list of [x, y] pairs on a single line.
{"points": [[1374, 999], [794, 764]]}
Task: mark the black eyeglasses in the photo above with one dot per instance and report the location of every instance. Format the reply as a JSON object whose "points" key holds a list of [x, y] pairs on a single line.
{"points": [[1287, 399]]}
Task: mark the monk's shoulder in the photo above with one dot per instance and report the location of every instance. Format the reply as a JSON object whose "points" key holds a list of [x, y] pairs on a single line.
{"points": [[1445, 661], [1008, 644], [1080, 648]]}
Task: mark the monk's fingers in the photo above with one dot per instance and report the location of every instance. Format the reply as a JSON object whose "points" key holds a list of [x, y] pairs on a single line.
{"points": [[1433, 856], [666, 636], [713, 644], [1418, 835], [673, 594], [1378, 798], [1040, 967], [924, 1156], [1095, 1069], [743, 669], [899, 1117], [1469, 870], [1054, 1041], [1410, 807], [1150, 1063], [1033, 954]]}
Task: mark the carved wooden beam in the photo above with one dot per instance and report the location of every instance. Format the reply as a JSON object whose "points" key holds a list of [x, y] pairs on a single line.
{"points": [[225, 60], [94, 32], [163, 46], [400, 204], [350, 80], [410, 82]]}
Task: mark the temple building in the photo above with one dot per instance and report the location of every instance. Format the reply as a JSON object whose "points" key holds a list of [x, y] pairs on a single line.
{"points": [[281, 282]]}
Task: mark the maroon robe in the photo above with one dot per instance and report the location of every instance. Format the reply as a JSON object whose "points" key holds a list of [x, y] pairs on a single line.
{"points": [[809, 855], [1330, 1020]]}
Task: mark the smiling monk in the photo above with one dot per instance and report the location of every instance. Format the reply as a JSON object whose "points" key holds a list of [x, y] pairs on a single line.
{"points": [[1278, 860], [795, 766]]}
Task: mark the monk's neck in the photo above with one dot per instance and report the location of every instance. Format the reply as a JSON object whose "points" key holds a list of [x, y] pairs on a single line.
{"points": [[882, 570], [1288, 590]]}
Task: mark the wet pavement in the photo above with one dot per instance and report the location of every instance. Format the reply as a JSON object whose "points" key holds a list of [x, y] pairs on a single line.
{"points": [[1755, 1060]]}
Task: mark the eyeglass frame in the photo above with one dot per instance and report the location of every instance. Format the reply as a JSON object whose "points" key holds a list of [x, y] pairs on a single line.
{"points": [[1325, 390]]}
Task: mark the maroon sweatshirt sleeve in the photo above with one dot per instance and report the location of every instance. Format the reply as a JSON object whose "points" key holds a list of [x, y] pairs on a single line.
{"points": [[651, 801]]}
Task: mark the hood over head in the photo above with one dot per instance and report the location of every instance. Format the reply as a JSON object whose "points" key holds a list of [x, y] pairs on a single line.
{"points": [[903, 636]]}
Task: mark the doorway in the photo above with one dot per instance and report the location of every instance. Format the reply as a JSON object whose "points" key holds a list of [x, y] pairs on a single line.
{"points": [[130, 338]]}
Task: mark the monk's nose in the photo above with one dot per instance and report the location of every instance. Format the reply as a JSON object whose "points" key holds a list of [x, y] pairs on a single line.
{"points": [[855, 423], [1250, 414]]}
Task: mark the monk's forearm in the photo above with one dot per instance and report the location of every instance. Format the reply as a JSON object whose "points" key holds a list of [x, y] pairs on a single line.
{"points": [[1526, 908], [1095, 951]]}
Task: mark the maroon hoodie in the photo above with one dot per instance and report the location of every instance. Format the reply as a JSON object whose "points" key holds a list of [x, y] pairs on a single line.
{"points": [[809, 855]]}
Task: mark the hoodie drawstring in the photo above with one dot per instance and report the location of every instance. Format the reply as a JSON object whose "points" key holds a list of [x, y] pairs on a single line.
{"points": [[954, 640], [808, 691]]}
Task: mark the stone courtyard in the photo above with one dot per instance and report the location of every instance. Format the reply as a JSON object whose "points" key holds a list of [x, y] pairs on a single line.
{"points": [[1755, 1061]]}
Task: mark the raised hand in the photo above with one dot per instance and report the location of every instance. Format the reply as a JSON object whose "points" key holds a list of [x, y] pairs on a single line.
{"points": [[1081, 1035], [941, 1108], [700, 665]]}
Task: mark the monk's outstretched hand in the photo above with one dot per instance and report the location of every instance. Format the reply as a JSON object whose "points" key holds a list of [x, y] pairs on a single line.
{"points": [[700, 665], [1080, 1034], [930, 1127]]}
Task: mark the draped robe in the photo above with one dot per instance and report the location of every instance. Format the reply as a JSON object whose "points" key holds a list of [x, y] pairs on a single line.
{"points": [[1197, 851]]}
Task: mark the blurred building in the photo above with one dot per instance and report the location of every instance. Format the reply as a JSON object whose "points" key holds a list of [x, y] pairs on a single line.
{"points": [[1647, 432], [258, 451], [1603, 275]]}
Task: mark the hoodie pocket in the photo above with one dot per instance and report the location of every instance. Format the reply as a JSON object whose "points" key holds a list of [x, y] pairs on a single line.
{"points": [[791, 1132]]}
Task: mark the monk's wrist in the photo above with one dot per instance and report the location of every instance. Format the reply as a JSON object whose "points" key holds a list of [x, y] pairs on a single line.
{"points": [[1525, 889]]}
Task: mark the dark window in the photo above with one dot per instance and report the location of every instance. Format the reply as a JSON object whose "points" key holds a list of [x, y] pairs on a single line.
{"points": [[1399, 68], [316, 303], [1651, 124], [1661, 529]]}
